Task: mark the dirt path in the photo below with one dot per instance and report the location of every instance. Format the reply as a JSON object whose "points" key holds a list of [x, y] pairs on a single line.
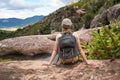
{"points": [[33, 70]]}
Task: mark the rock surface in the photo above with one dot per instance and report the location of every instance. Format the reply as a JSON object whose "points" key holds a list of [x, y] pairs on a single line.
{"points": [[27, 45], [33, 70], [84, 35], [106, 16], [36, 44]]}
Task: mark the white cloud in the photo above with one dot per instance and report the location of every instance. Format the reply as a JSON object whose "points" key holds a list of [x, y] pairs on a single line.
{"points": [[27, 8], [20, 4], [56, 3], [3, 3]]}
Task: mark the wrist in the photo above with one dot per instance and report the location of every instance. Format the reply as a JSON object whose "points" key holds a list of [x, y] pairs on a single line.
{"points": [[49, 62], [86, 62]]}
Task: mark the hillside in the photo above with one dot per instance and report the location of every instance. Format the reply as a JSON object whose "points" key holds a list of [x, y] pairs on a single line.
{"points": [[93, 11], [6, 34], [53, 21], [16, 22]]}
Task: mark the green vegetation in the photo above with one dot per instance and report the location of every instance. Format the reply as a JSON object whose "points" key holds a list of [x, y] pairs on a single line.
{"points": [[92, 8], [106, 42], [4, 60], [29, 30], [6, 34]]}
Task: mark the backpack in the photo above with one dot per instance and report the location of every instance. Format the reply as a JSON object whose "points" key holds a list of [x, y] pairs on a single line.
{"points": [[67, 46]]}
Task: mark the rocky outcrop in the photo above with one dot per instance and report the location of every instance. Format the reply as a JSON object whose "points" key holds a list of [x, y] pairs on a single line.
{"points": [[84, 35], [106, 16], [27, 45], [33, 70], [36, 44], [113, 13]]}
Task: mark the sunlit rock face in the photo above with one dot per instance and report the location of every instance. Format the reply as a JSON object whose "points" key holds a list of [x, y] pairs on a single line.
{"points": [[27, 45]]}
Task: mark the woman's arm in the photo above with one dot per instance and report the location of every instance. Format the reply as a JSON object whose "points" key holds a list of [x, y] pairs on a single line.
{"points": [[80, 48], [82, 53], [55, 50]]}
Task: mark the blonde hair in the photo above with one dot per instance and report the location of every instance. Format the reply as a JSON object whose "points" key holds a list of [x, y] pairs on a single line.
{"points": [[66, 30]]}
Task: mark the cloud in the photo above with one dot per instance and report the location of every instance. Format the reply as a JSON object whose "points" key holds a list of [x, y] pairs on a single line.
{"points": [[23, 4], [28, 8], [66, 1], [3, 3], [18, 4], [56, 3]]}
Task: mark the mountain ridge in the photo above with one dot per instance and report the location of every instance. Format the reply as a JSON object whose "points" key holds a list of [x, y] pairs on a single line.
{"points": [[17, 22], [52, 21]]}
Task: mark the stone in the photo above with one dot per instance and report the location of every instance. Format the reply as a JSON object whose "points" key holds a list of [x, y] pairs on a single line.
{"points": [[26, 45], [106, 16], [84, 35], [36, 44]]}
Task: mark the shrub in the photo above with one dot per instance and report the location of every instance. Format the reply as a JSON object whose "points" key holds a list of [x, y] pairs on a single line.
{"points": [[106, 42]]}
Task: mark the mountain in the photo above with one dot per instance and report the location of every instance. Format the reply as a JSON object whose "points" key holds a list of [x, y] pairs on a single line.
{"points": [[16, 22], [92, 8], [102, 10]]}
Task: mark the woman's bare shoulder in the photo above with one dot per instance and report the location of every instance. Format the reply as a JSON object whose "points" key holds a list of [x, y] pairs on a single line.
{"points": [[75, 34], [58, 35]]}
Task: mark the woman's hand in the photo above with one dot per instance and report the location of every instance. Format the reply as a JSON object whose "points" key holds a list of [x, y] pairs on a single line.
{"points": [[91, 63], [46, 64]]}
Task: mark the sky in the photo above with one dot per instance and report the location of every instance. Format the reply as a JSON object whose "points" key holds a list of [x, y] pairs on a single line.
{"points": [[28, 8]]}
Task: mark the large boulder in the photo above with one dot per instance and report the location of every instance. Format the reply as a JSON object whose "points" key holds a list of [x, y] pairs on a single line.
{"points": [[27, 45], [36, 44], [106, 16], [113, 13], [33, 70], [84, 35]]}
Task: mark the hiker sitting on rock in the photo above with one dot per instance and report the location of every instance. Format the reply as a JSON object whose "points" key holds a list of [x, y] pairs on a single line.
{"points": [[67, 46]]}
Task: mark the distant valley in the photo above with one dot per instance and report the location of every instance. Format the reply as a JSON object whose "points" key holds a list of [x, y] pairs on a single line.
{"points": [[16, 22]]}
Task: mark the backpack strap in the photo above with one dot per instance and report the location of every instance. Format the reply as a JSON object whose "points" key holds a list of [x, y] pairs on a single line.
{"points": [[73, 55], [71, 33], [63, 52]]}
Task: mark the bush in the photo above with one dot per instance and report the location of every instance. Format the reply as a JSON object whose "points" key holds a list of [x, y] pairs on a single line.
{"points": [[106, 42], [6, 34]]}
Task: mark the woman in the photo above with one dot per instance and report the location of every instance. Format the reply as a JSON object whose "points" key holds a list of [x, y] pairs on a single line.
{"points": [[67, 46]]}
